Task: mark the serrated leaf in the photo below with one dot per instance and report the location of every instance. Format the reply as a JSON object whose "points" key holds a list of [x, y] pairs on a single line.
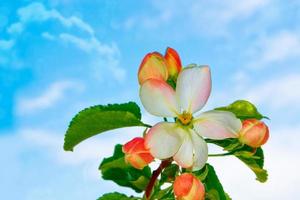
{"points": [[253, 158], [256, 163], [243, 110], [117, 170], [116, 196], [213, 187], [97, 119]]}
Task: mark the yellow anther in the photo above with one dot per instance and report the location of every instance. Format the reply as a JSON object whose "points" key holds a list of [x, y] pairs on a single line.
{"points": [[185, 118]]}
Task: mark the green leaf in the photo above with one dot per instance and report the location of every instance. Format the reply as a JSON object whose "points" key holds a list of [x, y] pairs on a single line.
{"points": [[117, 196], [213, 187], [169, 173], [243, 110], [253, 158], [97, 119], [255, 163], [117, 170], [229, 144], [202, 173]]}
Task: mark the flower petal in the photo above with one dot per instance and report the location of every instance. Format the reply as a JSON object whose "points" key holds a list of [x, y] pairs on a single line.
{"points": [[217, 125], [153, 66], [173, 62], [200, 151], [193, 88], [184, 156], [164, 139], [159, 98]]}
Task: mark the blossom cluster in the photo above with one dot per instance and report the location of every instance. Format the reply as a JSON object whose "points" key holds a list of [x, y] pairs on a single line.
{"points": [[178, 94]]}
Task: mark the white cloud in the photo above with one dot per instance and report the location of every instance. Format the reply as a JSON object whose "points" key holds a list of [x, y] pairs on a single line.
{"points": [[106, 56], [90, 44], [87, 155], [281, 161], [48, 36], [281, 153], [6, 44], [275, 48], [36, 12], [54, 93], [197, 17], [276, 93]]}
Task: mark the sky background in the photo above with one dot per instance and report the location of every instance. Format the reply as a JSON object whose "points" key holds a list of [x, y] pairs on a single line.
{"points": [[60, 56]]}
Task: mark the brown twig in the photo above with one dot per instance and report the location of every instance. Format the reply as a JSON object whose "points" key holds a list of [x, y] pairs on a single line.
{"points": [[154, 176]]}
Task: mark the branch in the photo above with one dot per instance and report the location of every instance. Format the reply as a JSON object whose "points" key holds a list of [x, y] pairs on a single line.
{"points": [[154, 176]]}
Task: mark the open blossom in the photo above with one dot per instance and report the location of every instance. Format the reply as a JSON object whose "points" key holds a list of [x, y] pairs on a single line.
{"points": [[188, 187], [183, 139], [136, 154], [254, 133]]}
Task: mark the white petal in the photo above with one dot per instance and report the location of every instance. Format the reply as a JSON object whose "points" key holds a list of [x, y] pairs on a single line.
{"points": [[184, 156], [164, 140], [200, 151], [217, 125], [159, 98], [193, 88]]}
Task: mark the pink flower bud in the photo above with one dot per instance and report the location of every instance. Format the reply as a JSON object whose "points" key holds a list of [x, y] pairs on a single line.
{"points": [[173, 62], [254, 133], [153, 66], [188, 187], [136, 153]]}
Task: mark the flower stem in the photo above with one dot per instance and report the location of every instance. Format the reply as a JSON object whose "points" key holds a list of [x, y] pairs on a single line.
{"points": [[154, 176], [221, 154]]}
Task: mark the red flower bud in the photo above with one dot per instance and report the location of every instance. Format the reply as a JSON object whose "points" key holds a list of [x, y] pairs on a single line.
{"points": [[173, 62], [136, 153], [153, 66], [254, 133], [188, 187]]}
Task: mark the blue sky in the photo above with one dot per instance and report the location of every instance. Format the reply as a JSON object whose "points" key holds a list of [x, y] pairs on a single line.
{"points": [[60, 56]]}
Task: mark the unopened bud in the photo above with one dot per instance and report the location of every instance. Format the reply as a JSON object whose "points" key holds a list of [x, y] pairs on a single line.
{"points": [[136, 153]]}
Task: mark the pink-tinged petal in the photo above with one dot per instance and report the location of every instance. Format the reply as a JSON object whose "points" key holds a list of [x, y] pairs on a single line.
{"points": [[153, 66], [184, 156], [173, 62], [188, 187], [193, 88], [217, 125], [200, 151], [159, 98], [136, 153], [164, 139], [254, 133]]}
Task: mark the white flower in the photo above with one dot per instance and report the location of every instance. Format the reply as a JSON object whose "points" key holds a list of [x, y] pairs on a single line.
{"points": [[183, 139]]}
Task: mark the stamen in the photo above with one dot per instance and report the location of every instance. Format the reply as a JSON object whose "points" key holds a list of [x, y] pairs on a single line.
{"points": [[185, 118]]}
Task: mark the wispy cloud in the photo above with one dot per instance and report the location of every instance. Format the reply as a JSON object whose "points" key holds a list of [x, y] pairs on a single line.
{"points": [[275, 48], [54, 93], [36, 12], [278, 92], [281, 152], [90, 44], [6, 44], [104, 55], [196, 17]]}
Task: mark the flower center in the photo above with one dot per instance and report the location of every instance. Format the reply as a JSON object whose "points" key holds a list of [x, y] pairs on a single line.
{"points": [[185, 118]]}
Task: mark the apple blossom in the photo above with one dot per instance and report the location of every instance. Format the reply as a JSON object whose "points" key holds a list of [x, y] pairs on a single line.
{"points": [[136, 154], [173, 62], [188, 187], [156, 66], [183, 140], [254, 133]]}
